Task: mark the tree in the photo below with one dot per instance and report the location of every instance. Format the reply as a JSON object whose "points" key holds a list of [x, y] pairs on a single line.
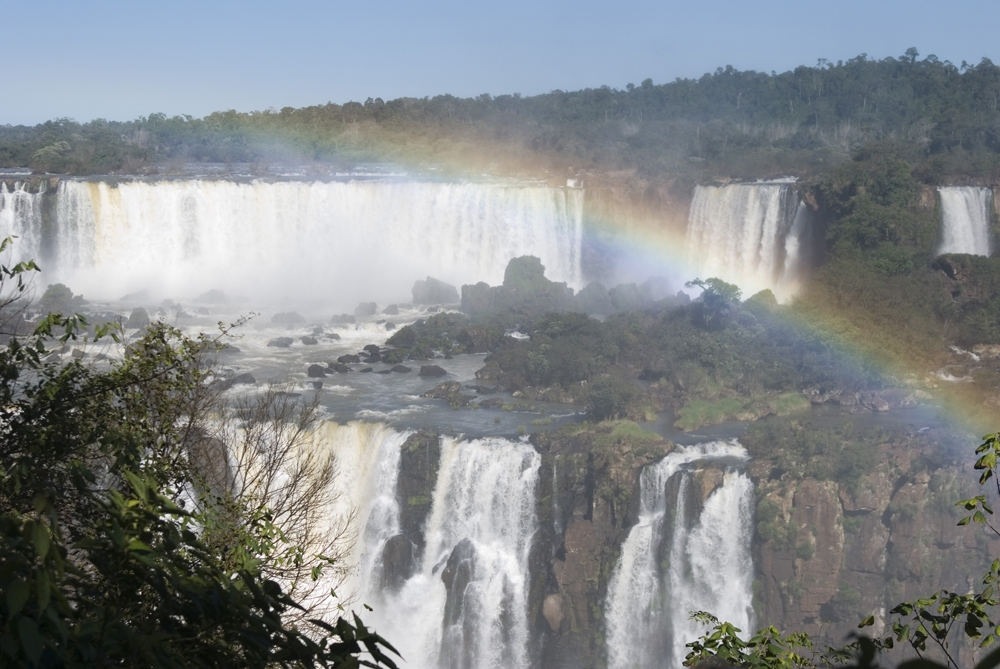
{"points": [[105, 557]]}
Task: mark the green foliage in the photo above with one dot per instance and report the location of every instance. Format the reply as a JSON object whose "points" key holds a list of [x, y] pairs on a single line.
{"points": [[741, 123], [612, 397], [59, 299], [103, 561]]}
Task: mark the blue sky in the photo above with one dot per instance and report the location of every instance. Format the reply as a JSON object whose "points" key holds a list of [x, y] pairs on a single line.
{"points": [[118, 60]]}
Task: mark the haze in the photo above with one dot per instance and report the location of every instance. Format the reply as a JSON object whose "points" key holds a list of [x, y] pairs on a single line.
{"points": [[117, 60]]}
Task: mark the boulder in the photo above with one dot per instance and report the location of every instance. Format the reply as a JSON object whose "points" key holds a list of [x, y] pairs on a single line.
{"points": [[77, 353], [365, 370], [213, 296], [317, 384], [287, 318], [341, 368], [365, 309], [372, 348], [350, 358], [434, 291], [245, 378], [384, 371], [333, 335], [492, 403], [401, 369], [280, 342], [432, 370], [391, 310], [139, 319], [397, 562], [390, 326], [444, 390], [374, 357], [310, 341], [316, 372], [342, 319]]}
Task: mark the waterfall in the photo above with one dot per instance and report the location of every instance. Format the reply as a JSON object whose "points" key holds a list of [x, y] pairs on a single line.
{"points": [[465, 605], [321, 240], [965, 220], [754, 235], [675, 561]]}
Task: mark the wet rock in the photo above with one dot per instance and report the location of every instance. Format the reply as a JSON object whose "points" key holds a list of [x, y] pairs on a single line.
{"points": [[390, 326], [310, 341], [139, 319], [456, 576], [384, 371], [342, 319], [213, 296], [349, 358], [341, 368], [287, 318], [434, 291], [317, 384], [333, 335], [77, 353], [552, 610], [401, 369], [365, 309], [317, 331], [492, 403], [432, 370], [280, 342], [372, 348], [397, 562], [391, 310], [443, 390], [374, 357], [316, 372], [138, 296], [245, 378], [365, 370]]}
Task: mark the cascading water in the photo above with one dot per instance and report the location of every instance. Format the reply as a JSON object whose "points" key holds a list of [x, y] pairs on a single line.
{"points": [[754, 235], [465, 604], [673, 563], [965, 220], [368, 239]]}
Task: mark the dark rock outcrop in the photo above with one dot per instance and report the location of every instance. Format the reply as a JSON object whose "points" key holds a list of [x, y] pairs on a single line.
{"points": [[281, 342], [365, 309], [310, 341], [391, 310], [342, 319], [287, 318], [401, 369], [138, 319], [316, 372], [349, 358], [432, 370], [433, 291]]}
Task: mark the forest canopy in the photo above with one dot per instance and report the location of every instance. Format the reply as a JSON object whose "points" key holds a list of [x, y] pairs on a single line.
{"points": [[737, 123]]}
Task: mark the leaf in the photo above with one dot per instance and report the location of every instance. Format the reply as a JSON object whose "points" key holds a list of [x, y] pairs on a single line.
{"points": [[867, 622], [31, 639], [43, 589], [40, 537], [17, 596]]}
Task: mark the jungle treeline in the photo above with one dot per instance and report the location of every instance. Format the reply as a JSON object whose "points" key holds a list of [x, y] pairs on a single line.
{"points": [[727, 123]]}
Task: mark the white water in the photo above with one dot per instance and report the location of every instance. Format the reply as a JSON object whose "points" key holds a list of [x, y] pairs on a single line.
{"points": [[708, 565], [333, 241], [485, 495], [965, 220], [756, 236]]}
